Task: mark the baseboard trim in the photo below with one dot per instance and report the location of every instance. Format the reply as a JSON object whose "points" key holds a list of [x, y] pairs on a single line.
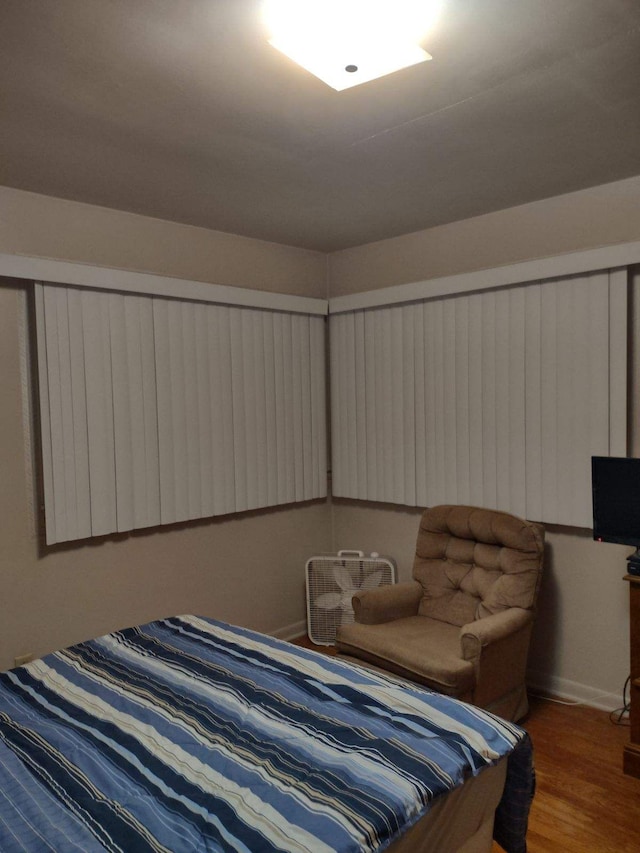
{"points": [[290, 632], [572, 691]]}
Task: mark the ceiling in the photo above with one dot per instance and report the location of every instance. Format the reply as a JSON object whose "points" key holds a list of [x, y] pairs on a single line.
{"points": [[181, 110]]}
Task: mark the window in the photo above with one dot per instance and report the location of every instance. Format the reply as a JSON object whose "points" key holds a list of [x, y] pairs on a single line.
{"points": [[495, 398], [157, 410]]}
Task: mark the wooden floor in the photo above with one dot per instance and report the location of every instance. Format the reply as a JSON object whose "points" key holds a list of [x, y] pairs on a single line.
{"points": [[584, 803]]}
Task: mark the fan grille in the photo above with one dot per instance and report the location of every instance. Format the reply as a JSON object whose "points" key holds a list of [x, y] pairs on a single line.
{"points": [[331, 583]]}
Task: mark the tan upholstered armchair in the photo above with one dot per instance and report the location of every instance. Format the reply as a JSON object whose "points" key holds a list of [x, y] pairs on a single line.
{"points": [[462, 626]]}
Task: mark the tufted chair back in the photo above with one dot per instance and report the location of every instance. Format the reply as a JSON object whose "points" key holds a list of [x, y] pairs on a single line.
{"points": [[473, 562]]}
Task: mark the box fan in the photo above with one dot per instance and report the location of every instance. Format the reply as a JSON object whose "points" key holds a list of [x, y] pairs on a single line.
{"points": [[332, 581]]}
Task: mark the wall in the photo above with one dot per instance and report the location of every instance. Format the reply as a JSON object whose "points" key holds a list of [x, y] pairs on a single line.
{"points": [[580, 644], [47, 227], [247, 569], [600, 216]]}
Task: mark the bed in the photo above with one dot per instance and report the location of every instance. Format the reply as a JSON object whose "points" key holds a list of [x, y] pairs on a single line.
{"points": [[188, 734]]}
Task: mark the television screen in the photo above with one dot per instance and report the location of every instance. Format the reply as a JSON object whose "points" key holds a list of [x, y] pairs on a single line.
{"points": [[616, 499]]}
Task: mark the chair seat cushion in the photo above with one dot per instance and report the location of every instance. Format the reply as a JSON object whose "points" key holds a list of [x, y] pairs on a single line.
{"points": [[418, 648]]}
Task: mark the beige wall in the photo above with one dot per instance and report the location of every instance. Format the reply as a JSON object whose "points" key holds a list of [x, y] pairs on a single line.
{"points": [[582, 220], [580, 645], [41, 226], [247, 569]]}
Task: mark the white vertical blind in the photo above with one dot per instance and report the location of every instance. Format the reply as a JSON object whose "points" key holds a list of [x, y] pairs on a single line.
{"points": [[497, 398], [133, 378], [157, 410]]}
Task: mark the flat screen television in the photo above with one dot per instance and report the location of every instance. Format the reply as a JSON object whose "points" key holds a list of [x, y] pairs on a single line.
{"points": [[615, 483]]}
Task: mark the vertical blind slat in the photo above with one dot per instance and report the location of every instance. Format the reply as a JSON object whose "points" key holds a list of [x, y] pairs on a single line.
{"points": [[204, 420], [250, 452], [597, 408], [66, 412], [564, 403], [320, 408], [297, 396], [318, 403], [475, 356], [584, 392], [305, 378], [449, 389], [489, 402], [346, 407], [349, 391], [82, 506], [95, 323], [135, 419], [517, 395], [533, 422], [432, 449], [289, 404], [122, 415], [239, 413], [224, 451], [618, 295], [420, 434], [178, 407], [381, 407], [269, 396], [502, 400], [281, 418], [163, 398], [408, 419], [385, 404], [397, 408], [359, 403], [549, 398], [259, 403], [191, 368], [56, 411], [438, 402], [461, 368], [51, 532], [336, 408]]}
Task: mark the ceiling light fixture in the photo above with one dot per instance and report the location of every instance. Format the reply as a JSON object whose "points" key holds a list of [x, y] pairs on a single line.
{"points": [[348, 42]]}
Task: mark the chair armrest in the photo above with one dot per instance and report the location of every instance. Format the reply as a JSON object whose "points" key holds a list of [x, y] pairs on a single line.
{"points": [[474, 636], [386, 603]]}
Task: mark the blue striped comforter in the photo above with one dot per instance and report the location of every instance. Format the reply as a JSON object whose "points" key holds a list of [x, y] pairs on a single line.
{"points": [[187, 734]]}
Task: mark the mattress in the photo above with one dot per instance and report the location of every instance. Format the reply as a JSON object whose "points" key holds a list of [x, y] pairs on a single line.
{"points": [[188, 734]]}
